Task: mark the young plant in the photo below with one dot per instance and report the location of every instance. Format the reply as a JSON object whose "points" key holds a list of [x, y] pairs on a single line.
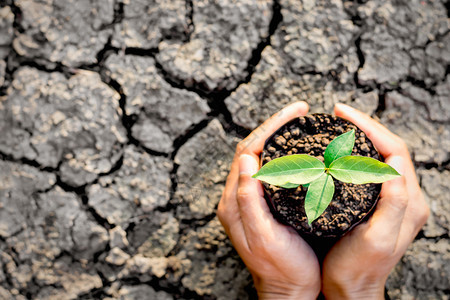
{"points": [[301, 169]]}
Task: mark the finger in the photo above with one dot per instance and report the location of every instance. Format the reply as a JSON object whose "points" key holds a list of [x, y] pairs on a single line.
{"points": [[228, 200], [255, 214], [412, 223], [415, 217], [386, 222], [228, 213], [229, 217], [255, 141], [385, 141]]}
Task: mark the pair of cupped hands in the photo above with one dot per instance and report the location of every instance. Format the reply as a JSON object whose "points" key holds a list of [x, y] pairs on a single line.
{"points": [[282, 264]]}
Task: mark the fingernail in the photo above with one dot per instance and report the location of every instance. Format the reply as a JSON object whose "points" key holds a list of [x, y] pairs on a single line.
{"points": [[397, 163], [343, 107], [247, 165], [304, 107]]}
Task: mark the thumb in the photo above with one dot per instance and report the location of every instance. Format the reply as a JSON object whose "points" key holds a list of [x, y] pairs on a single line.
{"points": [[248, 166], [255, 214], [391, 207], [395, 190]]}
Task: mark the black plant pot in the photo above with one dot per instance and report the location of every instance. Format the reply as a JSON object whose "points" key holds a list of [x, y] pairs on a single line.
{"points": [[351, 203]]}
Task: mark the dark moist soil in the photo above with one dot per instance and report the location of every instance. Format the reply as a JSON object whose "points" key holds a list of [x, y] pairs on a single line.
{"points": [[351, 202]]}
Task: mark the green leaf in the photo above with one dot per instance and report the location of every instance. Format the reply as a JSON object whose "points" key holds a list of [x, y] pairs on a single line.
{"points": [[289, 185], [297, 168], [360, 169], [306, 185], [340, 146], [319, 195]]}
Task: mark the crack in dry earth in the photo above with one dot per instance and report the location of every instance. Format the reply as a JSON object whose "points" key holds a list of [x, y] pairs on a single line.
{"points": [[200, 227]]}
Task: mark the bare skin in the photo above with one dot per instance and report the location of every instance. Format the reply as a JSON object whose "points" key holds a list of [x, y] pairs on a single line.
{"points": [[359, 264], [282, 264]]}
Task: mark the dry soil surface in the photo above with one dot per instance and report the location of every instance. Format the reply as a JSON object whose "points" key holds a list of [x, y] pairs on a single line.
{"points": [[118, 122]]}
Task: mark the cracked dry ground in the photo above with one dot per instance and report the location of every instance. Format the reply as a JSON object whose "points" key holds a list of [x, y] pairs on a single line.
{"points": [[118, 121]]}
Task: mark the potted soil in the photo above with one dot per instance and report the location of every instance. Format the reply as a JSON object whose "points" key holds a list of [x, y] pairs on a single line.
{"points": [[350, 203]]}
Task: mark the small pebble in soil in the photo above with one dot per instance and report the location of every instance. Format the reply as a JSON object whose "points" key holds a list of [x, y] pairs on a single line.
{"points": [[325, 141], [365, 148], [280, 140], [287, 135], [292, 143], [301, 121]]}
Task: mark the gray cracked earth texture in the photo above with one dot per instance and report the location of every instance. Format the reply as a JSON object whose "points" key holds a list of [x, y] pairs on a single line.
{"points": [[119, 120]]}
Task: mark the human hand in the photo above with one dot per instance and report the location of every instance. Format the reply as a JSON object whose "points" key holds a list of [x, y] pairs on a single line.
{"points": [[282, 264], [358, 265]]}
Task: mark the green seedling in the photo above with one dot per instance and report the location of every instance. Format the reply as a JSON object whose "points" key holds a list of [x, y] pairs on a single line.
{"points": [[301, 169]]}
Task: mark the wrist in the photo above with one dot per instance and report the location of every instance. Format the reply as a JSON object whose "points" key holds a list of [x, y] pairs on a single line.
{"points": [[284, 291]]}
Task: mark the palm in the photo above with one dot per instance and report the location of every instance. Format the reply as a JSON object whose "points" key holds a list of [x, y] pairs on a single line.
{"points": [[299, 258], [338, 257], [292, 257]]}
